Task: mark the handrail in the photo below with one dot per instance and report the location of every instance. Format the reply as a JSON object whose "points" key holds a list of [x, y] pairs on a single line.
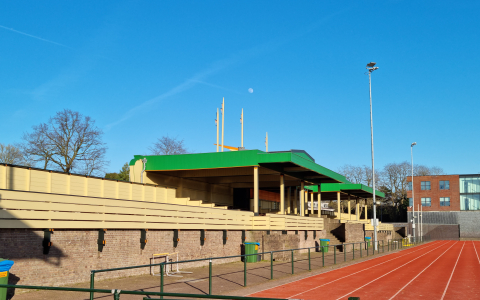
{"points": [[117, 292]]}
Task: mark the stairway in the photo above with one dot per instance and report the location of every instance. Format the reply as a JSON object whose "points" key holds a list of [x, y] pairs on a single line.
{"points": [[332, 229]]}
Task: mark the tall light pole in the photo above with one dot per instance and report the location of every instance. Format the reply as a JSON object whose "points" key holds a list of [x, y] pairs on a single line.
{"points": [[371, 67], [413, 195]]}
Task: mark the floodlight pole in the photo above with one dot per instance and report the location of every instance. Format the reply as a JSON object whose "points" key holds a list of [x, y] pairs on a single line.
{"points": [[413, 196], [371, 68]]}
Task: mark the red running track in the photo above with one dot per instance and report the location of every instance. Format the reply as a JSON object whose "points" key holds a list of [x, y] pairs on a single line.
{"points": [[436, 270]]}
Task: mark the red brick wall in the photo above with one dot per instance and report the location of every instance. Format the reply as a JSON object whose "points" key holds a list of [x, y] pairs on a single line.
{"points": [[75, 252], [435, 193]]}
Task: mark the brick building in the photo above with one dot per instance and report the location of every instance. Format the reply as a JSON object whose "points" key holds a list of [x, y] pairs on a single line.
{"points": [[447, 199]]}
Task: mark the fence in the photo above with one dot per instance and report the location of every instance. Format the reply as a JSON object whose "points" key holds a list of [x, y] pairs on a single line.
{"points": [[116, 293], [321, 256]]}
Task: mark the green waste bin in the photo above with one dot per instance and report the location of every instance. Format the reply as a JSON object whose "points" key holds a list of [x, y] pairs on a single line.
{"points": [[251, 248], [5, 266], [324, 242], [368, 240]]}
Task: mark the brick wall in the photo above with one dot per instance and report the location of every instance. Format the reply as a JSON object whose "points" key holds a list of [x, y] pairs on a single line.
{"points": [[435, 193], [75, 252]]}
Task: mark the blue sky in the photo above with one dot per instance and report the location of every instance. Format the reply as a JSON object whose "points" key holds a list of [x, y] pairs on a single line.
{"points": [[147, 69]]}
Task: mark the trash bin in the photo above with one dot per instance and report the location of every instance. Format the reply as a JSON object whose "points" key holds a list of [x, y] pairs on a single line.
{"points": [[324, 242], [251, 248], [5, 266], [368, 240]]}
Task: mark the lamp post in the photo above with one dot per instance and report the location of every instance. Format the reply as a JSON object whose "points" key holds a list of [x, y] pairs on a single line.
{"points": [[371, 67], [413, 195]]}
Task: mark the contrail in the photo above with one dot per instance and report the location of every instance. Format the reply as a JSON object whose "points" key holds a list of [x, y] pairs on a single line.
{"points": [[35, 37]]}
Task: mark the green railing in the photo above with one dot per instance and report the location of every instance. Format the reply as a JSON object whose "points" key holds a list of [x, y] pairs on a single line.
{"points": [[116, 293], [360, 248]]}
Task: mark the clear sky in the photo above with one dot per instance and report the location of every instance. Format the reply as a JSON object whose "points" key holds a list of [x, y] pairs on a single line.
{"points": [[145, 69]]}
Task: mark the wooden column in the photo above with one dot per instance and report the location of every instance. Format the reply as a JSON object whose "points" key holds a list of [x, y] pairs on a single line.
{"points": [[365, 205], [282, 195], [295, 201], [255, 190], [349, 209], [289, 200], [311, 203], [357, 208], [319, 200], [338, 205], [302, 199]]}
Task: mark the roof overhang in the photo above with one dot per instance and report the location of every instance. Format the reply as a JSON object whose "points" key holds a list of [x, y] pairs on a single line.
{"points": [[329, 191]]}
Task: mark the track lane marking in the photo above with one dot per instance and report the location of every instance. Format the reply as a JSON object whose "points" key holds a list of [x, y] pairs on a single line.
{"points": [[451, 275], [387, 273], [422, 248], [476, 251], [421, 272]]}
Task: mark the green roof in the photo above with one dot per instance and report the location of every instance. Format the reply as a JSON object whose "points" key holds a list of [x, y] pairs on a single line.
{"points": [[294, 163], [356, 189]]}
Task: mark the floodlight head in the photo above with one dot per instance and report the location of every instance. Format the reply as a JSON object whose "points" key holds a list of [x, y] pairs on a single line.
{"points": [[414, 143], [371, 65]]}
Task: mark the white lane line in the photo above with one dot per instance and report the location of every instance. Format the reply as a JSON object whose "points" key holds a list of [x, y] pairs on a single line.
{"points": [[476, 251], [451, 275], [342, 297], [355, 272], [421, 272], [422, 247]]}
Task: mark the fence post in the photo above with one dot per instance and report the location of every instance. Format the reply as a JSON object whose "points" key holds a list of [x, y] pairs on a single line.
{"points": [[334, 255], [361, 250], [245, 270], [210, 277], [344, 252], [116, 295], [271, 265], [383, 246], [388, 246], [323, 256], [309, 263], [92, 283], [353, 251], [366, 244], [292, 264], [161, 279]]}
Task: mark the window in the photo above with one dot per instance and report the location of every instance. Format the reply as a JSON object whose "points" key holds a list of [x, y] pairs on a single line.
{"points": [[426, 201], [445, 185], [445, 201], [425, 185], [410, 202], [470, 184], [409, 186], [470, 202]]}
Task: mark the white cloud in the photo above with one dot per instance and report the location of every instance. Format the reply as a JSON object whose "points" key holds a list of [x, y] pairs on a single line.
{"points": [[250, 90]]}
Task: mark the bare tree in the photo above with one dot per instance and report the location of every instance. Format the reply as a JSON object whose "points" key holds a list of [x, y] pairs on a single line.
{"points": [[168, 146], [70, 142], [13, 155]]}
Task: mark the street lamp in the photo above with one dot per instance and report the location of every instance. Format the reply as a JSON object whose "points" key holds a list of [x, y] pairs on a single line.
{"points": [[371, 67], [413, 195]]}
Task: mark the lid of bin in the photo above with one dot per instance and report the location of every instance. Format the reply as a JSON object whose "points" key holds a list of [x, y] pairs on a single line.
{"points": [[252, 243], [324, 240], [368, 238], [5, 265]]}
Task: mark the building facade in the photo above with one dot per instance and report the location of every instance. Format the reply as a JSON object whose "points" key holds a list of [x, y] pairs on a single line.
{"points": [[446, 199]]}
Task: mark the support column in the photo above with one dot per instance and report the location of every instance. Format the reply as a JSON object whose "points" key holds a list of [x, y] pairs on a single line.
{"points": [[349, 209], [295, 201], [302, 199], [338, 206], [305, 203], [319, 200], [282, 195], [255, 190], [365, 205], [311, 203], [357, 208], [289, 200]]}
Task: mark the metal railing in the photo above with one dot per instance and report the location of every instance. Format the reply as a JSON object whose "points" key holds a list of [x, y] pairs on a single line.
{"points": [[116, 293], [351, 251]]}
